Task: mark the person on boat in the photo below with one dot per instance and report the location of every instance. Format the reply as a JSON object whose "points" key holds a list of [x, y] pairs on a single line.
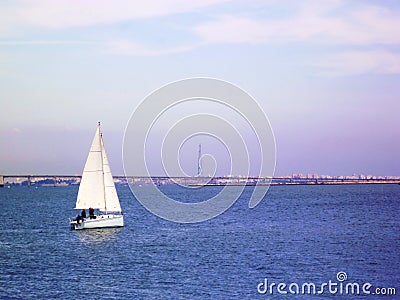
{"points": [[91, 213], [83, 213], [78, 219]]}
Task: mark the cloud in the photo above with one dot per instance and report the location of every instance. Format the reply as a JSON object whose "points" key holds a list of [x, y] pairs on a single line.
{"points": [[330, 22], [360, 62], [16, 130], [41, 42], [31, 23], [64, 13], [367, 32], [310, 24], [131, 48], [335, 28]]}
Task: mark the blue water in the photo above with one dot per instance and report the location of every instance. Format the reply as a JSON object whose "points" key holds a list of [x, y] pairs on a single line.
{"points": [[296, 234]]}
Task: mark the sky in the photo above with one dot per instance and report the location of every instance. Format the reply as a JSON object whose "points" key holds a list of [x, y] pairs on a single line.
{"points": [[326, 74]]}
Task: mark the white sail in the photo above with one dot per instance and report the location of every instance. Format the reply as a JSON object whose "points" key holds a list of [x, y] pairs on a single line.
{"points": [[110, 193], [91, 189], [97, 190]]}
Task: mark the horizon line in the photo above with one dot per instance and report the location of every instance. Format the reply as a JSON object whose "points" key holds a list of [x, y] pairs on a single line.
{"points": [[294, 175]]}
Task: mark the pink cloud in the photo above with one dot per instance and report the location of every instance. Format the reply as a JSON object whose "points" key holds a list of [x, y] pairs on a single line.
{"points": [[366, 25]]}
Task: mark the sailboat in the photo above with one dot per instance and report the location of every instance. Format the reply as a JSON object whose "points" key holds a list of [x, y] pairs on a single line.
{"points": [[97, 191]]}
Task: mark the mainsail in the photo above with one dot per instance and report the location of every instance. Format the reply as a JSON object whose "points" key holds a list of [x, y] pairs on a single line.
{"points": [[97, 189], [110, 193]]}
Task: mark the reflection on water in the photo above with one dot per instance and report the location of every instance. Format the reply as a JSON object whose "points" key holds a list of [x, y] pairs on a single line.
{"points": [[95, 236]]}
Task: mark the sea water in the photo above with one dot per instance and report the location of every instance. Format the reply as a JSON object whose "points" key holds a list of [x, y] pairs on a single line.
{"points": [[296, 235]]}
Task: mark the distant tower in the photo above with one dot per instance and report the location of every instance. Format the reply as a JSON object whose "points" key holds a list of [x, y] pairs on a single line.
{"points": [[198, 162]]}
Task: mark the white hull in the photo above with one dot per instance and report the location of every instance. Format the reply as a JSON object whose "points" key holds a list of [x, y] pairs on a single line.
{"points": [[101, 221]]}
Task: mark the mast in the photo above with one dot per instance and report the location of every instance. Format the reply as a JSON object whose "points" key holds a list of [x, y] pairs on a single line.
{"points": [[102, 167], [198, 161]]}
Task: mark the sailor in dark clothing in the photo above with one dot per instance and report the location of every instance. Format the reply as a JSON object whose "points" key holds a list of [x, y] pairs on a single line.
{"points": [[91, 213], [78, 219], [83, 213]]}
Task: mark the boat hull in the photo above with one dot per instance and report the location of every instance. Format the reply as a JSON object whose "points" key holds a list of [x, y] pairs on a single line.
{"points": [[101, 221]]}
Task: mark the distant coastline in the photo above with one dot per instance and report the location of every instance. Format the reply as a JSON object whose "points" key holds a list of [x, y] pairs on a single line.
{"points": [[295, 179]]}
